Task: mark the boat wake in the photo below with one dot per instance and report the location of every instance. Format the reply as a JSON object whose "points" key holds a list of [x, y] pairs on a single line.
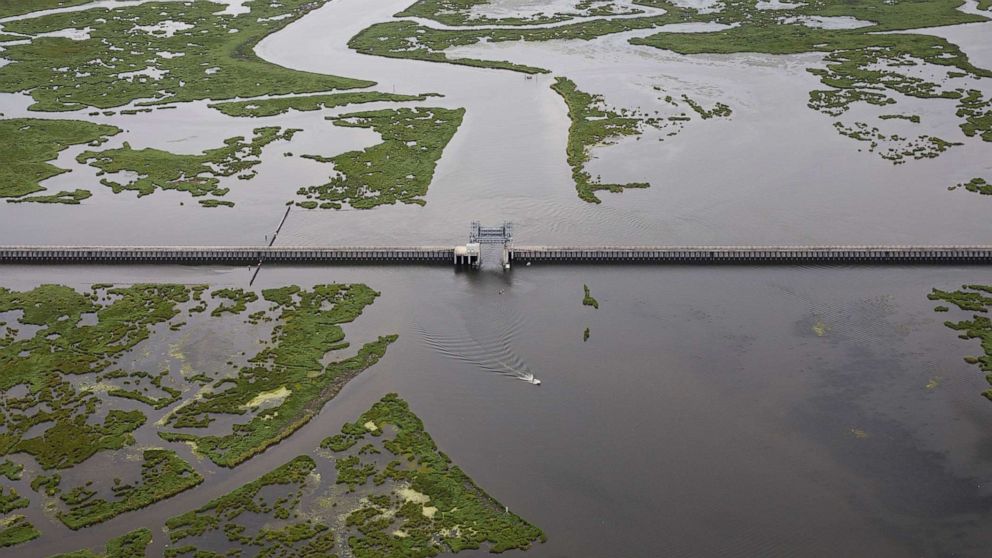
{"points": [[491, 352]]}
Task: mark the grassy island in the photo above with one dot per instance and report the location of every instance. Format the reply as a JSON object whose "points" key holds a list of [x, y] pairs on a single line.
{"points": [[587, 299], [163, 475], [399, 169], [592, 124], [199, 175], [282, 105], [393, 495], [27, 147], [976, 299]]}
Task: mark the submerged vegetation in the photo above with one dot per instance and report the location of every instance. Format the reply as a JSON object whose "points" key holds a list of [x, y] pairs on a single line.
{"points": [[27, 145], [62, 346], [592, 124], [64, 356], [977, 299], [286, 383], [159, 52], [399, 169], [163, 475], [399, 497], [197, 174], [275, 496]]}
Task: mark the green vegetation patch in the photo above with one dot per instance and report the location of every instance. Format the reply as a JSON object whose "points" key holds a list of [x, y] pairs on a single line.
{"points": [[74, 197], [976, 185], [239, 301], [16, 529], [11, 470], [862, 66], [399, 169], [10, 500], [893, 147], [272, 107], [199, 175], [719, 110], [62, 345], [458, 12], [171, 394], [275, 496], [433, 506], [592, 124], [406, 39], [158, 52], [10, 8], [28, 144], [587, 299], [128, 545], [405, 500], [977, 299], [285, 384], [163, 475]]}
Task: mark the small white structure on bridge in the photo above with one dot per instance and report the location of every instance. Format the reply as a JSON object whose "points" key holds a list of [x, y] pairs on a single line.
{"points": [[469, 254]]}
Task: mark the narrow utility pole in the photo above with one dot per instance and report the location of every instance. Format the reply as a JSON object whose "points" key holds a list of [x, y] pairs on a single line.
{"points": [[271, 242]]}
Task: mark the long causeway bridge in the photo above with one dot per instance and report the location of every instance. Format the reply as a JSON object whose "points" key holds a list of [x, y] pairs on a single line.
{"points": [[501, 237], [470, 255]]}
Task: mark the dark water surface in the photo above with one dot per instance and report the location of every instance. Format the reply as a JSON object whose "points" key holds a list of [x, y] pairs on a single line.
{"points": [[713, 411]]}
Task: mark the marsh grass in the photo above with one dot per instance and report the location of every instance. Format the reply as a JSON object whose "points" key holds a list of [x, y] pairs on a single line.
{"points": [[272, 107], [27, 145], [400, 169], [122, 59], [592, 124]]}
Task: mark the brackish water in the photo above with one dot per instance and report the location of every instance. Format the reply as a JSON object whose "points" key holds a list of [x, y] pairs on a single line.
{"points": [[713, 411], [752, 412]]}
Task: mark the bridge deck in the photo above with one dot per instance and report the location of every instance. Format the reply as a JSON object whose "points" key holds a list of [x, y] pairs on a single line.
{"points": [[241, 255]]}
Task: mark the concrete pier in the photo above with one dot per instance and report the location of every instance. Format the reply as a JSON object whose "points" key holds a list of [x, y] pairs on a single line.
{"points": [[434, 255]]}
